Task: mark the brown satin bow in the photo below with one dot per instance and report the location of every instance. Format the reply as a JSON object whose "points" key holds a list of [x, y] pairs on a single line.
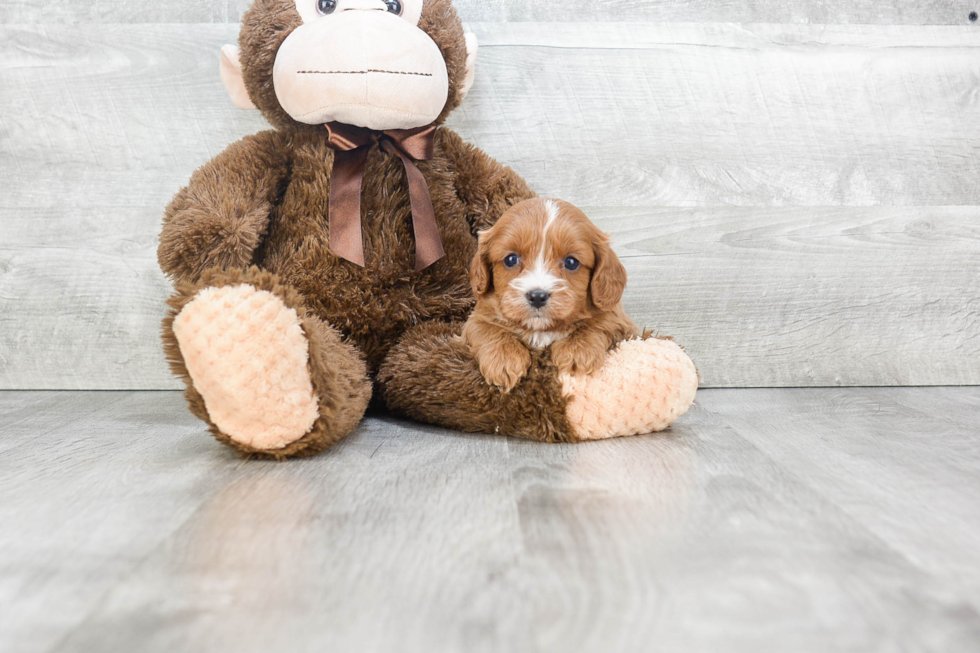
{"points": [[351, 146]]}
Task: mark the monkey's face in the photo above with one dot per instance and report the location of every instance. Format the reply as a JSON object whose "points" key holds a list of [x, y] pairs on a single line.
{"points": [[379, 64]]}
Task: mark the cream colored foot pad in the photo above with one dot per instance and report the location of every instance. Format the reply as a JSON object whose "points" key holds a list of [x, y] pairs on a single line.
{"points": [[247, 356], [644, 386]]}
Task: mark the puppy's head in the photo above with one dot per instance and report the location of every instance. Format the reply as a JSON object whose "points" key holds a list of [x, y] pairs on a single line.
{"points": [[545, 266]]}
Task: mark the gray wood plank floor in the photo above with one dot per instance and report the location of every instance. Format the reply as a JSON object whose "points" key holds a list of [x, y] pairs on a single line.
{"points": [[766, 520]]}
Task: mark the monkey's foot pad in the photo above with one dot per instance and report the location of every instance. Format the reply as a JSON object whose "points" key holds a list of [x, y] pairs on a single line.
{"points": [[248, 357], [643, 387]]}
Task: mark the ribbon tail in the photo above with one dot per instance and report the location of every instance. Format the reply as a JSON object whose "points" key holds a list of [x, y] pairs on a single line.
{"points": [[346, 240], [428, 243]]}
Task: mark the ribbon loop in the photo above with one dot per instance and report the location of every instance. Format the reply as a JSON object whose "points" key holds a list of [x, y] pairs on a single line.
{"points": [[347, 137], [351, 146], [417, 143]]}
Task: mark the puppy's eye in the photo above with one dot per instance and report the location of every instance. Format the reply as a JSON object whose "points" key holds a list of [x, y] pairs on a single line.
{"points": [[512, 261], [572, 264], [394, 6], [326, 6]]}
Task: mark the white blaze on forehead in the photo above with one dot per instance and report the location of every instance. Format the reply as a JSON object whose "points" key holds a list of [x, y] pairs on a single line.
{"points": [[411, 9], [540, 277], [552, 209]]}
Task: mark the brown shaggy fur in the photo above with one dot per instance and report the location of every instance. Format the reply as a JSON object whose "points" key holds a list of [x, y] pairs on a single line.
{"points": [[264, 203], [445, 387], [218, 222]]}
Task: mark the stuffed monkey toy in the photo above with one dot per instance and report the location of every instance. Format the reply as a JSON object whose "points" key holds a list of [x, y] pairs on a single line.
{"points": [[326, 261]]}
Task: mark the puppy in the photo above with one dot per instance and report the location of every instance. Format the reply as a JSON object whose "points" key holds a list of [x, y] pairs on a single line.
{"points": [[545, 276]]}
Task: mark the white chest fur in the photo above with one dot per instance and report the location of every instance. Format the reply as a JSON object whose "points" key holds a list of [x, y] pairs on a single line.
{"points": [[542, 339]]}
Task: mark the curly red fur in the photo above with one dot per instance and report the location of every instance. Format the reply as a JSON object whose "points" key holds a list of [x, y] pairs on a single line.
{"points": [[583, 317]]}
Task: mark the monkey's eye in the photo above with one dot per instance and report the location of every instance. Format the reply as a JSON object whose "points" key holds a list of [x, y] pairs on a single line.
{"points": [[512, 261], [572, 264], [394, 6], [326, 7]]}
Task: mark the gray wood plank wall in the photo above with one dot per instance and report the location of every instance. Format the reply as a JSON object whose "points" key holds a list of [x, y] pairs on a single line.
{"points": [[867, 12], [794, 185]]}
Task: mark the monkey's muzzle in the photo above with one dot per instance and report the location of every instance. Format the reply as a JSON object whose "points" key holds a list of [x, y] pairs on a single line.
{"points": [[365, 68]]}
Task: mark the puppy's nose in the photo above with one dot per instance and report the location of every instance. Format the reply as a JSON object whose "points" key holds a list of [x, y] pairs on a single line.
{"points": [[538, 298]]}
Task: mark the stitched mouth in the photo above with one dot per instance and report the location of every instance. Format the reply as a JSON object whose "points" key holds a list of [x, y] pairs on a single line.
{"points": [[361, 72]]}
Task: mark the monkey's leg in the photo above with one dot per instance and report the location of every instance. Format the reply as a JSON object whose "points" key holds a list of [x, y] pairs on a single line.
{"points": [[270, 379], [645, 385]]}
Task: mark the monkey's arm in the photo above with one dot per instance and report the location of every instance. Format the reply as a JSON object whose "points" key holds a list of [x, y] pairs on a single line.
{"points": [[486, 187], [220, 218]]}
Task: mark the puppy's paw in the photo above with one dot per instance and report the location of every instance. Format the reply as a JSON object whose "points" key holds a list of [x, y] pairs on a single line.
{"points": [[504, 364], [577, 357]]}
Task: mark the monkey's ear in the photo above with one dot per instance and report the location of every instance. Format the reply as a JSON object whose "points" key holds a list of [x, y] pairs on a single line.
{"points": [[231, 75], [472, 46]]}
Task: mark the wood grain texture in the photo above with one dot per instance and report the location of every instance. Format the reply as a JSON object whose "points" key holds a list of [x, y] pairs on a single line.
{"points": [[732, 115], [719, 151], [810, 521], [879, 460], [834, 296], [919, 12], [55, 568]]}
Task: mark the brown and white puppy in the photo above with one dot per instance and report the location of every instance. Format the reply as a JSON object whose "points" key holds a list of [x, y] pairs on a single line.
{"points": [[545, 276]]}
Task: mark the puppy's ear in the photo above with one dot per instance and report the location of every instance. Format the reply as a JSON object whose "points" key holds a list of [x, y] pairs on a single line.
{"points": [[608, 276], [481, 271]]}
